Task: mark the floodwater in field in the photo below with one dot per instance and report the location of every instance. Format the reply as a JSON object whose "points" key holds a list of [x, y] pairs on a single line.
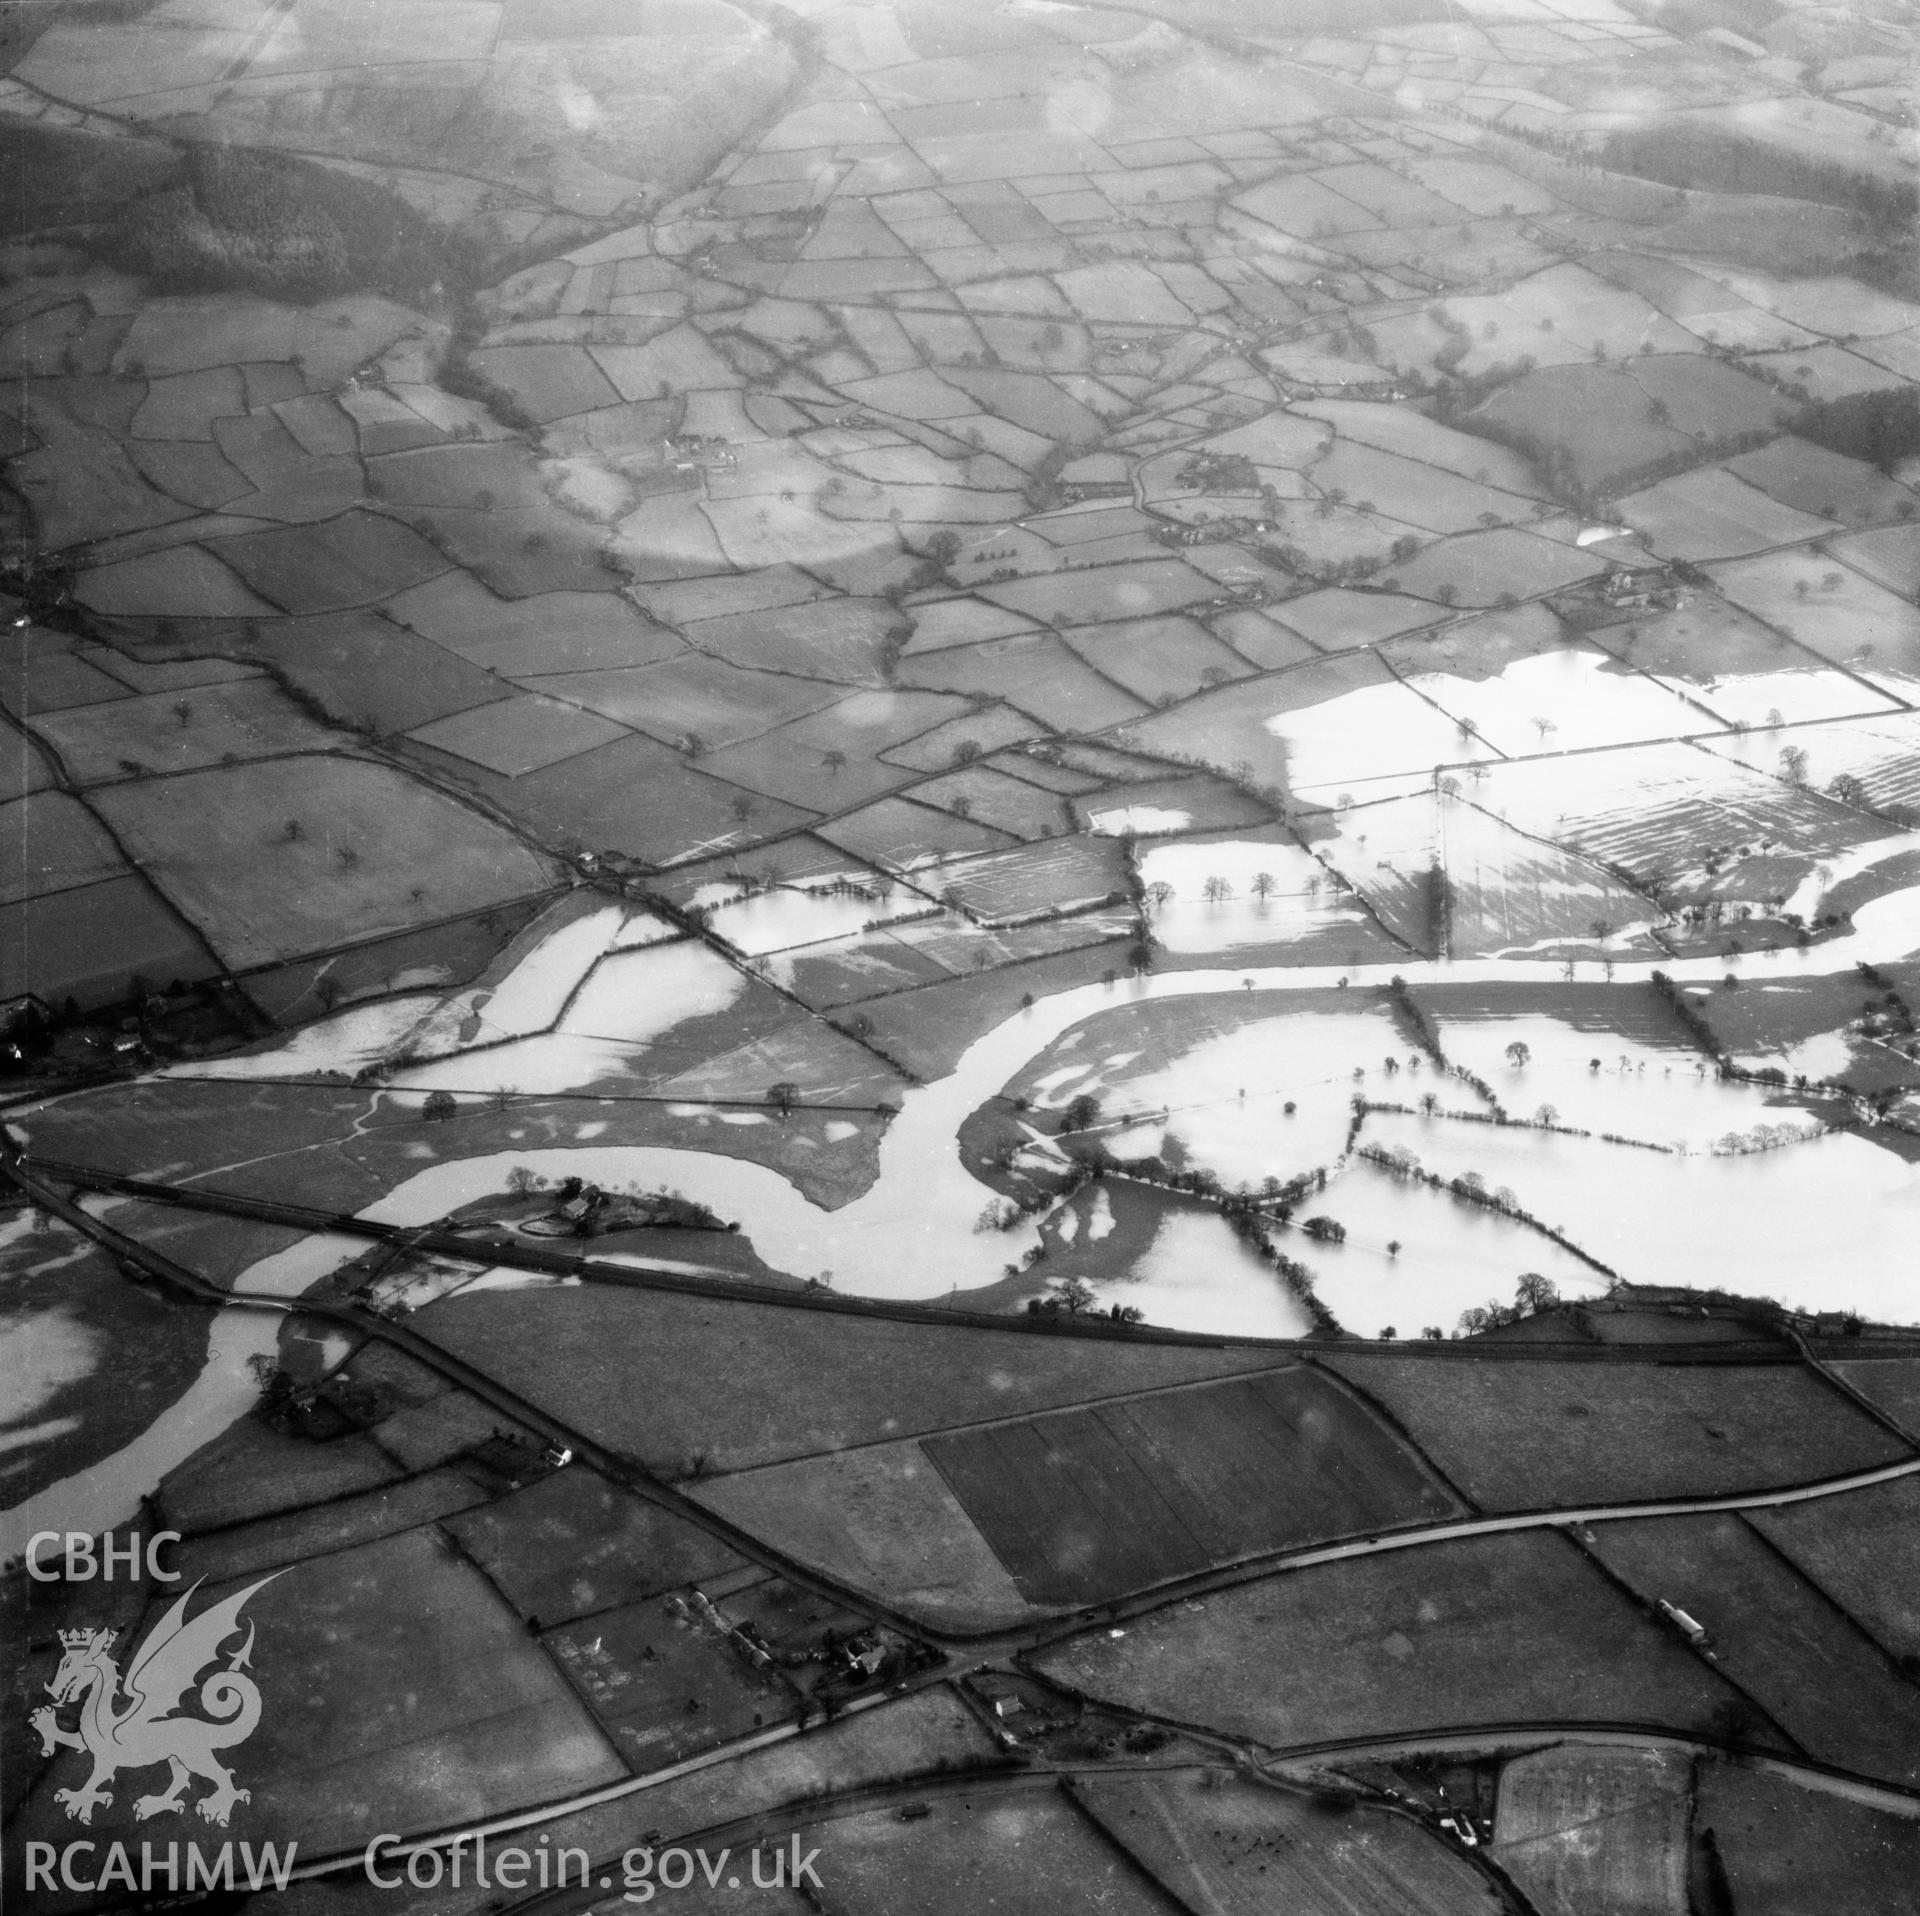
{"points": [[1452, 1255], [783, 918], [1117, 820], [40, 1355], [533, 994], [616, 1009], [1824, 1225], [1766, 698], [1300, 897], [1606, 1081], [1381, 731], [1196, 1275], [360, 1035], [1566, 700], [1225, 1099], [1828, 1225], [107, 1492]]}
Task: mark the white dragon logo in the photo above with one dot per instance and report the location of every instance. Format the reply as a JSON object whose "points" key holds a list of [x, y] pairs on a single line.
{"points": [[148, 1729]]}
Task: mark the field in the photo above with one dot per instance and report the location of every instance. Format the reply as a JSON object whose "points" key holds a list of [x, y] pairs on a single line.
{"points": [[1829, 609], [1860, 1550], [519, 734], [1083, 1506], [1482, 1630], [366, 674], [1664, 811], [1517, 1434], [982, 1849], [1893, 1385], [87, 941], [1004, 888], [1838, 1695], [427, 1697], [1237, 1851], [89, 1362], [372, 850], [1504, 891], [661, 1686], [882, 1517], [1596, 1829], [1783, 1849], [1042, 675], [348, 1523], [631, 1370]]}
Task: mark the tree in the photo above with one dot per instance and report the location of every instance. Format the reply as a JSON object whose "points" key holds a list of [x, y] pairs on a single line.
{"points": [[440, 1105], [1534, 1293], [1263, 886], [1519, 1055], [1546, 1115], [1159, 894], [1393, 1247], [1847, 789], [1070, 1294], [1793, 764], [1215, 890], [1080, 1113], [783, 1096], [834, 761]]}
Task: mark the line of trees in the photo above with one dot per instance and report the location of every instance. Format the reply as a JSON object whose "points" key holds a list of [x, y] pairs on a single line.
{"points": [[1471, 1188]]}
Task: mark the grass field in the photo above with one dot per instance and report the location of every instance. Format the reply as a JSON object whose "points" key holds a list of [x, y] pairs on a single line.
{"points": [[275, 858], [1596, 1829], [983, 1850], [1236, 1850], [1863, 1550], [89, 941], [1789, 1647], [1892, 1383], [634, 1370], [420, 1698], [1083, 1506], [1787, 1850], [344, 1524], [662, 1685], [883, 1518], [1520, 1434], [1482, 1630]]}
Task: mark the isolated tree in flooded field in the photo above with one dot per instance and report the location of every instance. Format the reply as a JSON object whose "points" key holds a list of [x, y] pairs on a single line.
{"points": [[834, 761], [1546, 1114], [1793, 764], [1215, 890], [1519, 1055], [1159, 894], [1263, 886]]}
